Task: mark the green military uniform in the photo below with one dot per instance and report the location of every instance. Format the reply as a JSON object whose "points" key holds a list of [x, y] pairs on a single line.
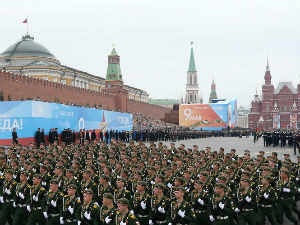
{"points": [[107, 215], [246, 206], [128, 219], [267, 198], [7, 199], [87, 214], [69, 209], [142, 207], [21, 214], [201, 204], [221, 208], [286, 191], [159, 208], [35, 203], [52, 205]]}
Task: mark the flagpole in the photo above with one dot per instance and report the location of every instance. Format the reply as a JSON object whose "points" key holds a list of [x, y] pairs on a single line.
{"points": [[27, 24]]}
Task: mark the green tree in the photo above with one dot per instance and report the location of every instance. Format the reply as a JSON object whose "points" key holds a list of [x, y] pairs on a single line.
{"points": [[8, 98]]}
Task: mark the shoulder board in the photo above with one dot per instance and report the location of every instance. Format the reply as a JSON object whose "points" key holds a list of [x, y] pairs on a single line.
{"points": [[42, 189], [78, 201], [28, 186], [132, 216], [14, 182], [49, 175], [62, 194], [95, 206]]}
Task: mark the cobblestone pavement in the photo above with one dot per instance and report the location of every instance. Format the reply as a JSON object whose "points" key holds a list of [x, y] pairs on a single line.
{"points": [[240, 144]]}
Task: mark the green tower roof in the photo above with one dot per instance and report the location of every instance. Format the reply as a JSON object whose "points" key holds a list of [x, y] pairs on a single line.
{"points": [[113, 68], [192, 67]]}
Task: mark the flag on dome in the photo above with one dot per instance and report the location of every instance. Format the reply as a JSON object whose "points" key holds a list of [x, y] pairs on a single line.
{"points": [[25, 21]]}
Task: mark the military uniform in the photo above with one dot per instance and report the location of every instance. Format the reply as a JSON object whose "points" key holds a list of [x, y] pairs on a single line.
{"points": [[7, 199], [128, 219], [21, 194], [34, 205], [69, 210], [159, 208], [52, 206]]}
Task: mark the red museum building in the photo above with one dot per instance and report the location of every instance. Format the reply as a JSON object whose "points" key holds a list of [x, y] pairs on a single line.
{"points": [[275, 108]]}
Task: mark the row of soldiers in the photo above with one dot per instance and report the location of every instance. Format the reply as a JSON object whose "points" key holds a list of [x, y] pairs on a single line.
{"points": [[135, 184], [274, 138]]}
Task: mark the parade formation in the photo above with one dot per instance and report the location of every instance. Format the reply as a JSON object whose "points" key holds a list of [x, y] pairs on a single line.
{"points": [[119, 183]]}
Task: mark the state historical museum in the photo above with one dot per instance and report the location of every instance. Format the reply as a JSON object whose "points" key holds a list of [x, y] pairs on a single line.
{"points": [[275, 108]]}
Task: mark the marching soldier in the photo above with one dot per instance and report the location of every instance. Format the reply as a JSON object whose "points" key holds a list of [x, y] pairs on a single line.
{"points": [[21, 194], [285, 189], [159, 206], [7, 197], [200, 201], [107, 210], [53, 202], [221, 206], [70, 206], [180, 210], [245, 203], [35, 202], [123, 216], [104, 187], [141, 203], [121, 192], [266, 198], [87, 214]]}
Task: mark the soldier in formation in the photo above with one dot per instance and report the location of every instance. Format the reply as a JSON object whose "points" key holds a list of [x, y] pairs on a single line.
{"points": [[118, 184]]}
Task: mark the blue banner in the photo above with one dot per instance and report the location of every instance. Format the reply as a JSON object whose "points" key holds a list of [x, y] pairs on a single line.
{"points": [[27, 116]]}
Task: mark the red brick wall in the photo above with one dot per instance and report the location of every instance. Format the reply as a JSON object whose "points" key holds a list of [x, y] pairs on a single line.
{"points": [[155, 111], [18, 87]]}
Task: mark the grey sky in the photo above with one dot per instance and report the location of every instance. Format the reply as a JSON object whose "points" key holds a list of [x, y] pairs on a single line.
{"points": [[232, 39]]}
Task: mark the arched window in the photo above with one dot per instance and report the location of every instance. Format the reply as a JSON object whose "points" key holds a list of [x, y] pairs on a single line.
{"points": [[191, 79]]}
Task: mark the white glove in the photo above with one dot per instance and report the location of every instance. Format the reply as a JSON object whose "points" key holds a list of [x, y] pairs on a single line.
{"points": [[266, 195], [298, 189], [181, 213], [161, 210], [44, 183], [212, 219], [201, 202], [150, 222], [188, 190], [7, 191], [169, 185], [132, 212], [1, 174], [14, 176], [152, 182], [14, 205], [1, 199], [79, 222], [21, 195], [221, 205], [169, 223], [107, 220], [71, 210], [35, 198], [122, 223], [28, 208], [237, 210], [297, 178], [286, 190], [45, 215], [248, 199], [53, 203], [61, 220], [143, 205], [87, 215]]}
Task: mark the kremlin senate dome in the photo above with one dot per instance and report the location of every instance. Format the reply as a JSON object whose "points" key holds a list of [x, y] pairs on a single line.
{"points": [[27, 47]]}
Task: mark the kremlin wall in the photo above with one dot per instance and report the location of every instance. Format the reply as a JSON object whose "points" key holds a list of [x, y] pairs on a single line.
{"points": [[20, 87], [28, 70]]}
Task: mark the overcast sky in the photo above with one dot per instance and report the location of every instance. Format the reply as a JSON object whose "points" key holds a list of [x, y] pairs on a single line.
{"points": [[232, 39]]}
